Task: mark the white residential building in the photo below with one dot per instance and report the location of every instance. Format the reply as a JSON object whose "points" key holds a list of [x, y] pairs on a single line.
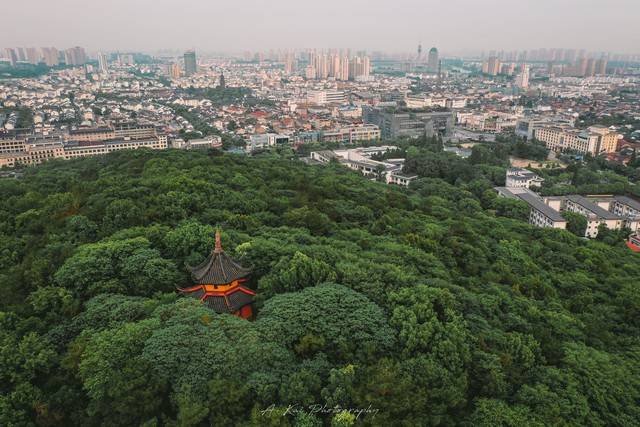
{"points": [[522, 178]]}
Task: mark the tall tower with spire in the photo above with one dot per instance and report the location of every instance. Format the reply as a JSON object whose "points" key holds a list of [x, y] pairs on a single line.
{"points": [[222, 83], [217, 284]]}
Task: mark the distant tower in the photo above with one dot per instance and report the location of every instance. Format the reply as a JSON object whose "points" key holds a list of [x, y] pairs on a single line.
{"points": [[174, 70], [11, 54], [419, 58], [190, 64], [103, 64], [522, 79], [433, 60], [440, 72], [222, 83]]}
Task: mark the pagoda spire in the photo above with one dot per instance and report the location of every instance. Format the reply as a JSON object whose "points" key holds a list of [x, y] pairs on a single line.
{"points": [[218, 247]]}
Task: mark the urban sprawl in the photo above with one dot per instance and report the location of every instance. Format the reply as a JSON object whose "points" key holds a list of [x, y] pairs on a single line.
{"points": [[64, 104]]}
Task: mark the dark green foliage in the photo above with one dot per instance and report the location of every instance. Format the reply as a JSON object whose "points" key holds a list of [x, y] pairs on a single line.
{"points": [[328, 318], [576, 223], [433, 305]]}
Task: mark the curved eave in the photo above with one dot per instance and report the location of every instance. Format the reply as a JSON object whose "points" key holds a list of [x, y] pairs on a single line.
{"points": [[218, 269]]}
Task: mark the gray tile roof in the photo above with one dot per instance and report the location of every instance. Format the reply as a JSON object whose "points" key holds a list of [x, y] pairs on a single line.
{"points": [[217, 269], [628, 201], [592, 207], [532, 200], [537, 204]]}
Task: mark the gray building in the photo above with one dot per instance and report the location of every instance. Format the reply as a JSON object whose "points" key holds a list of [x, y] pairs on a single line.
{"points": [[433, 60], [398, 122], [190, 64]]}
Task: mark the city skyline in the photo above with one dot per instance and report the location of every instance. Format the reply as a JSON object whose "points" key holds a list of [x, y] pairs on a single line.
{"points": [[453, 28]]}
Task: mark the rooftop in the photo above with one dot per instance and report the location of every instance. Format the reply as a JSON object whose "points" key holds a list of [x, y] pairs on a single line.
{"points": [[218, 268], [592, 207], [628, 201], [532, 200]]}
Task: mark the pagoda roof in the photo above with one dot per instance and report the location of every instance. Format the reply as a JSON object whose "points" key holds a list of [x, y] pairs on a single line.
{"points": [[231, 304], [218, 268], [229, 301]]}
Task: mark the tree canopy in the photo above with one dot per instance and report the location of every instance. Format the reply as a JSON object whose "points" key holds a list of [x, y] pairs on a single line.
{"points": [[433, 305]]}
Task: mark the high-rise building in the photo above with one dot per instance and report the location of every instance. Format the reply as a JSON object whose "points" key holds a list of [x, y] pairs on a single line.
{"points": [[289, 64], [522, 80], [49, 56], [21, 54], [190, 64], [591, 68], [432, 63], [11, 55], [338, 66], [491, 66], [310, 72], [581, 66], [75, 56], [321, 64], [359, 68], [601, 67], [335, 70], [126, 59], [174, 71], [33, 56], [344, 68], [103, 64], [223, 83]]}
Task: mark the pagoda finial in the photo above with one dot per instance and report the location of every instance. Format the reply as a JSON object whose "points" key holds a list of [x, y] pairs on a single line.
{"points": [[218, 247]]}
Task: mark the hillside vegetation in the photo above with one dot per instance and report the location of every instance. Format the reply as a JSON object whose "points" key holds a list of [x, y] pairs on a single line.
{"points": [[435, 305]]}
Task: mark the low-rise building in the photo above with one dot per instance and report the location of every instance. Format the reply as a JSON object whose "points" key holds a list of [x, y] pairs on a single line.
{"points": [[595, 214], [91, 134], [595, 140], [33, 154], [522, 178], [398, 178], [323, 97], [540, 214], [259, 142], [324, 156], [198, 143], [75, 149], [626, 206], [566, 138], [12, 144], [352, 134], [608, 138], [359, 159], [395, 123]]}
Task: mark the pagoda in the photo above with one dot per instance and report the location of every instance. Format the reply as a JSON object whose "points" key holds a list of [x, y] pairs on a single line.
{"points": [[217, 283]]}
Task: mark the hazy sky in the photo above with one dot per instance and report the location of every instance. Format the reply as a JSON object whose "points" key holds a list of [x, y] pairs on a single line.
{"points": [[390, 25]]}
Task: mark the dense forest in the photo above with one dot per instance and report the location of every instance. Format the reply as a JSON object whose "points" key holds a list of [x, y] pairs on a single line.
{"points": [[376, 305]]}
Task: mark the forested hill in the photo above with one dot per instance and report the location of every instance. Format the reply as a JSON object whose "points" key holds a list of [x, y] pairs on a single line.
{"points": [[423, 306]]}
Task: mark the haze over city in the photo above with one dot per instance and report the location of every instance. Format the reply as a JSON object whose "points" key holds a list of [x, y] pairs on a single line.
{"points": [[310, 214], [456, 27]]}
